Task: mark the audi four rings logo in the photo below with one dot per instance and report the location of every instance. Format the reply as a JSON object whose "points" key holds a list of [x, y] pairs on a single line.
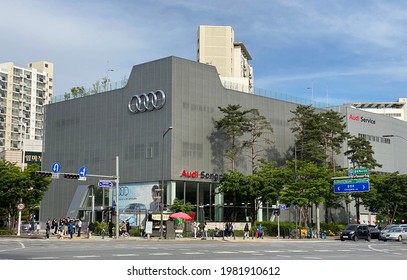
{"points": [[123, 191], [147, 102]]}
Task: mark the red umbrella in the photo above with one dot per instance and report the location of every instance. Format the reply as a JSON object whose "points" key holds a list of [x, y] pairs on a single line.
{"points": [[181, 215]]}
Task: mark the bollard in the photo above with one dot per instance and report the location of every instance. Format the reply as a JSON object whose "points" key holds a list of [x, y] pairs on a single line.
{"points": [[223, 235], [103, 233]]}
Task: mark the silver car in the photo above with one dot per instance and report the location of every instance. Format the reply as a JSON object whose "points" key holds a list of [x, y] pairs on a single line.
{"points": [[384, 231], [396, 233]]}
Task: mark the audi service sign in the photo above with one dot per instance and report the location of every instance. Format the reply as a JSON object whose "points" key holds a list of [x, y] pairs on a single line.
{"points": [[154, 100]]}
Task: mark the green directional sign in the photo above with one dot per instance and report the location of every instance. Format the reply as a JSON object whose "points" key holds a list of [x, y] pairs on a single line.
{"points": [[361, 171]]}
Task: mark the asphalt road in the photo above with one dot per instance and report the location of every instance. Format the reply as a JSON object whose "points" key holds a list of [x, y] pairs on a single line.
{"points": [[194, 249]]}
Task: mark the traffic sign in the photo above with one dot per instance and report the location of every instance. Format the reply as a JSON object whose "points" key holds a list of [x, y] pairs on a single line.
{"points": [[351, 185], [283, 207], [82, 171], [361, 171], [351, 172], [105, 184], [20, 206], [56, 167]]}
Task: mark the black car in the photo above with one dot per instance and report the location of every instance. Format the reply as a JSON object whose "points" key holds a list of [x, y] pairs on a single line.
{"points": [[355, 232], [374, 232]]}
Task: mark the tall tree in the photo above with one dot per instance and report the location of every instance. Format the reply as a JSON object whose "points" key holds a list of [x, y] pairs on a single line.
{"points": [[360, 154], [333, 134], [234, 125], [259, 130], [307, 131]]}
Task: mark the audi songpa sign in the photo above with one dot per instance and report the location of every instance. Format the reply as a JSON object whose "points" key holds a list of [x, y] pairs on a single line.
{"points": [[147, 102]]}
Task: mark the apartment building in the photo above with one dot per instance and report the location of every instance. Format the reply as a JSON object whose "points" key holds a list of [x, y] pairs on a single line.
{"points": [[217, 47], [23, 94]]}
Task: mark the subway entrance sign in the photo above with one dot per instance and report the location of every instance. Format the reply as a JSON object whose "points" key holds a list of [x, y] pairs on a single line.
{"points": [[351, 185]]}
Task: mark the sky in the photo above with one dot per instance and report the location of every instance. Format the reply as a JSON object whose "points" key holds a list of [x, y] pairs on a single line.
{"points": [[322, 50]]}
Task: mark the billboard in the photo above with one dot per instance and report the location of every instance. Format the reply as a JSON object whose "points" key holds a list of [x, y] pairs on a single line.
{"points": [[135, 201]]}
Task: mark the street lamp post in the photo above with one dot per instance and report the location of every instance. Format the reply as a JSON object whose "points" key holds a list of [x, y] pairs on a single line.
{"points": [[22, 169], [392, 135], [162, 184]]}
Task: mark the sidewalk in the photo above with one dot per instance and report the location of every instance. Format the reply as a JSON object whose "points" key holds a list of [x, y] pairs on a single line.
{"points": [[155, 239]]}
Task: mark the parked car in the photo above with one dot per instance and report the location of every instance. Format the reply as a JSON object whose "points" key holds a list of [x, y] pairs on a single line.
{"points": [[396, 233], [386, 229], [374, 232], [355, 232]]}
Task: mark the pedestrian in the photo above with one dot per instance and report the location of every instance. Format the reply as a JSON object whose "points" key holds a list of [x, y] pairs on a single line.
{"points": [[47, 229], [55, 226], [110, 229], [71, 228], [90, 229], [128, 227], [260, 232], [246, 231], [79, 226], [205, 229]]}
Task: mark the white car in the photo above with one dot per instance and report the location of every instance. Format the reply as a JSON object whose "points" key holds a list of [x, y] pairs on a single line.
{"points": [[396, 233]]}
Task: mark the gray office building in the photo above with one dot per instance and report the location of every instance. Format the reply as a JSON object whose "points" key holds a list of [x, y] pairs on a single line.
{"points": [[133, 124]]}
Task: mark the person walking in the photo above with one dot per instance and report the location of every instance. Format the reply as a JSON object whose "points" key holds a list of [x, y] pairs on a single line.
{"points": [[47, 229], [71, 229], [246, 231], [79, 226], [260, 232], [110, 229], [90, 229]]}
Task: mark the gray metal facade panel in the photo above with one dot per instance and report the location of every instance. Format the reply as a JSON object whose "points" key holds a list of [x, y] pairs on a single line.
{"points": [[91, 131]]}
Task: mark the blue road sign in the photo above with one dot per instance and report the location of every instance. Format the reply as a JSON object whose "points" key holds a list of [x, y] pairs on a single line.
{"points": [[82, 171], [352, 185], [56, 167], [351, 173], [105, 184], [283, 207]]}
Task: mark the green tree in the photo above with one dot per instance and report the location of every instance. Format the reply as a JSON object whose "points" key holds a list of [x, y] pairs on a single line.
{"points": [[178, 205], [360, 154], [259, 130], [17, 186], [307, 129], [233, 124], [308, 187], [387, 195], [333, 134]]}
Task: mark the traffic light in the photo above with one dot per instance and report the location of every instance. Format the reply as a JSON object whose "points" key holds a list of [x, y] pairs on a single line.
{"points": [[43, 174], [71, 176]]}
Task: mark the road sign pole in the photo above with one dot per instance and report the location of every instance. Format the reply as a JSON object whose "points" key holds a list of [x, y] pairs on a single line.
{"points": [[117, 197]]}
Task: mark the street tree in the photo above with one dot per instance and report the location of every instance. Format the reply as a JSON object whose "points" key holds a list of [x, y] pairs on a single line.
{"points": [[259, 130], [387, 195], [233, 124], [333, 134], [360, 153], [307, 129], [21, 186]]}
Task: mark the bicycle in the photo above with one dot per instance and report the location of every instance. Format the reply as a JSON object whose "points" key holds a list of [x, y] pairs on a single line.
{"points": [[124, 234]]}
